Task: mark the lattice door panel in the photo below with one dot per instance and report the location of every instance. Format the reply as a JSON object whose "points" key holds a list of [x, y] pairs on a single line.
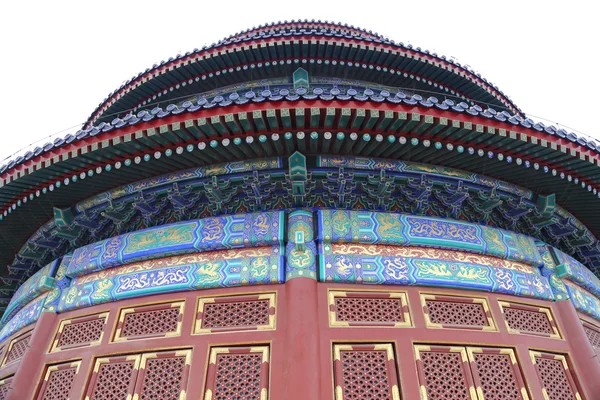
{"points": [[444, 373], [113, 378], [17, 348], [520, 318], [163, 376], [496, 374], [368, 309], [80, 332], [593, 334], [555, 376], [457, 312], [58, 382], [238, 373], [153, 321], [5, 387], [365, 372], [236, 313]]}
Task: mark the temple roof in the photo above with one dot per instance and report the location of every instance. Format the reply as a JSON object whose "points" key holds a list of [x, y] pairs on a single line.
{"points": [[277, 49], [260, 111]]}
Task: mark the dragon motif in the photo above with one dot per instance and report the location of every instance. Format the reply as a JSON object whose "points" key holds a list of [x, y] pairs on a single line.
{"points": [[212, 230], [340, 223], [443, 230], [343, 266], [396, 268], [260, 267], [156, 238], [261, 224], [390, 226], [208, 273]]}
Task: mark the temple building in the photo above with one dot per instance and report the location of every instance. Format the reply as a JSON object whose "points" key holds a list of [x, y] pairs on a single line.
{"points": [[303, 211]]}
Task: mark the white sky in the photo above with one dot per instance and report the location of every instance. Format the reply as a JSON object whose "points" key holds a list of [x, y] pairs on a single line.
{"points": [[60, 59]]}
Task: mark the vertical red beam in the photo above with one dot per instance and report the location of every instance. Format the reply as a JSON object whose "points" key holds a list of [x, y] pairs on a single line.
{"points": [[302, 374], [582, 354], [532, 381], [28, 374]]}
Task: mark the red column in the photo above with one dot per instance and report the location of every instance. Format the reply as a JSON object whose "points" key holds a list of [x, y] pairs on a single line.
{"points": [[582, 353], [28, 374], [302, 370]]}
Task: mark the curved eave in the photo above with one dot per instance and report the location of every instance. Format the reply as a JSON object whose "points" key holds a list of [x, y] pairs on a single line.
{"points": [[216, 60], [426, 128]]}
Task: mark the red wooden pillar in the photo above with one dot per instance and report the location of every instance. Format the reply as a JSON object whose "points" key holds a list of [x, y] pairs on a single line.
{"points": [[302, 372], [582, 353], [30, 368]]}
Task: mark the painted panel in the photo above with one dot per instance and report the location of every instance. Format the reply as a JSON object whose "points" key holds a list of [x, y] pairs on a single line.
{"points": [[230, 268], [372, 264], [559, 290], [407, 230], [41, 282], [173, 177], [583, 300], [27, 316], [301, 250], [62, 283], [208, 234]]}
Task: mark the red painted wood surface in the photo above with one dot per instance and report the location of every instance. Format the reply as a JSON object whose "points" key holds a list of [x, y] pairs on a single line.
{"points": [[301, 346]]}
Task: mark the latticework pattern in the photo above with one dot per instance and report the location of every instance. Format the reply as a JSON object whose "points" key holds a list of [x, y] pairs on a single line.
{"points": [[238, 376], [444, 376], [17, 351], [163, 379], [354, 309], [59, 384], [497, 376], [593, 336], [236, 313], [365, 375], [4, 388], [456, 313], [554, 379], [113, 381], [150, 322], [81, 332], [527, 321]]}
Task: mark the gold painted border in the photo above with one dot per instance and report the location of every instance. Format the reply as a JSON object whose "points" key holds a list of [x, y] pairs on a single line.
{"points": [[56, 367], [124, 311], [187, 353], [542, 309], [503, 351], [389, 350], [7, 381], [483, 300], [69, 321], [106, 360], [10, 346], [462, 350], [533, 354], [203, 300], [332, 294], [212, 359]]}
